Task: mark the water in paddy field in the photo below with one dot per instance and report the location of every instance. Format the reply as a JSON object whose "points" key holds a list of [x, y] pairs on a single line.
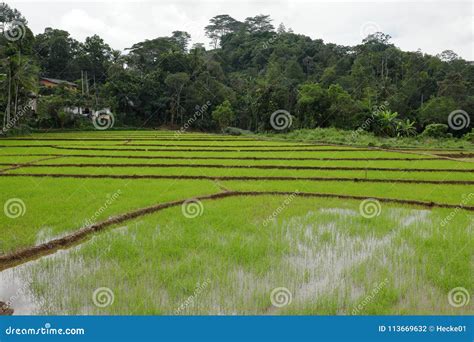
{"points": [[327, 263], [15, 284], [19, 285], [15, 292], [322, 253]]}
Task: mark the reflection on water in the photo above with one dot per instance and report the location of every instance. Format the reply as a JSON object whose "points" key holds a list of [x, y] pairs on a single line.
{"points": [[322, 254], [15, 291], [17, 288]]}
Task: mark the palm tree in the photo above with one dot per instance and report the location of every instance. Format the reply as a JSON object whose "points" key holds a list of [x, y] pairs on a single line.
{"points": [[406, 128], [21, 83]]}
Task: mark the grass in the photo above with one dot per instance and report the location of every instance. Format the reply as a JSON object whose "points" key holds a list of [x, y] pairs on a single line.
{"points": [[229, 172], [363, 138], [229, 259], [57, 206], [421, 163], [324, 252]]}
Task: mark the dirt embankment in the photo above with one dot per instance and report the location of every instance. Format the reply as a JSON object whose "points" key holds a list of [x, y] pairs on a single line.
{"points": [[215, 158], [17, 166], [224, 166], [23, 255], [214, 149], [242, 178], [456, 155], [124, 139], [5, 310]]}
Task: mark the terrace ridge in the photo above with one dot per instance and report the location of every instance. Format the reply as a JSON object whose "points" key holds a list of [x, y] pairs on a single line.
{"points": [[23, 255]]}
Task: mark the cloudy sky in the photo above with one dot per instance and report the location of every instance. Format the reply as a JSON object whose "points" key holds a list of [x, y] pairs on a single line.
{"points": [[427, 25]]}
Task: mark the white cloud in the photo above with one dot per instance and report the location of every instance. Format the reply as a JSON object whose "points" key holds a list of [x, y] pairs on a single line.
{"points": [[431, 26], [80, 24]]}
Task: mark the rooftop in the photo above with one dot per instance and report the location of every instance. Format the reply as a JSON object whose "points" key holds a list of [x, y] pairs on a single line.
{"points": [[57, 81]]}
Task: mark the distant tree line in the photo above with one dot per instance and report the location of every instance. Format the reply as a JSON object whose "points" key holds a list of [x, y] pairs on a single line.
{"points": [[251, 71]]}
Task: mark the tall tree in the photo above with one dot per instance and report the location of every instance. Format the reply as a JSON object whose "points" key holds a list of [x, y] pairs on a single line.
{"points": [[182, 39], [57, 53], [176, 82], [258, 24], [17, 67], [95, 57], [219, 26]]}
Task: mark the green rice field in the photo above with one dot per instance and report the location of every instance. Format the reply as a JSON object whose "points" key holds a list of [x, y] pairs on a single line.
{"points": [[160, 223]]}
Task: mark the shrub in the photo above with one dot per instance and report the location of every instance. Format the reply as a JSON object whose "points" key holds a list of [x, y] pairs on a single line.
{"points": [[21, 129], [436, 131], [470, 136], [236, 131], [224, 114]]}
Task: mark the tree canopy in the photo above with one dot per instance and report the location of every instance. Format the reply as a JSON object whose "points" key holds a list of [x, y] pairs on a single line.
{"points": [[251, 71]]}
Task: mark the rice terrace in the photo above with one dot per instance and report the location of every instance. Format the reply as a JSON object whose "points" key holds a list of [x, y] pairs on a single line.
{"points": [[237, 171], [155, 222]]}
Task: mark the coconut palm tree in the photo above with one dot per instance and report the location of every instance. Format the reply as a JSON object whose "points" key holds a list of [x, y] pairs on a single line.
{"points": [[20, 83]]}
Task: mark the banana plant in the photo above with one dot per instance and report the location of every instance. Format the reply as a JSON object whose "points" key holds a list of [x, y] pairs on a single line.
{"points": [[406, 128], [385, 122]]}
